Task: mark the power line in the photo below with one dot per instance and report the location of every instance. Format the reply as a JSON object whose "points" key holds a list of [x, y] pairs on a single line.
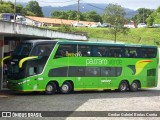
{"points": [[56, 2], [93, 6]]}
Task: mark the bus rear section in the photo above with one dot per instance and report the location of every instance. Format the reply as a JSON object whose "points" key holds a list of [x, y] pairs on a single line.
{"points": [[91, 66]]}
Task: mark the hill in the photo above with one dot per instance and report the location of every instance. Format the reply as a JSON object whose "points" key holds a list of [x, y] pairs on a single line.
{"points": [[85, 7], [149, 36]]}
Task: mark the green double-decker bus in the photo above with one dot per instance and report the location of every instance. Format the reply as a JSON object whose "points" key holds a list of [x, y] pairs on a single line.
{"points": [[67, 66]]}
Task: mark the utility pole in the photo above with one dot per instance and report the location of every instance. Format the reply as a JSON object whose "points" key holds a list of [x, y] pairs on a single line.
{"points": [[78, 16], [143, 15], [15, 11]]}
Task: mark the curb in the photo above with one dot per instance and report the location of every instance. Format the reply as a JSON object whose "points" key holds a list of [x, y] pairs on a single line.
{"points": [[3, 96]]}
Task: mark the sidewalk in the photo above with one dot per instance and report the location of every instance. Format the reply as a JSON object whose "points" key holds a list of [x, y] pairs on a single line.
{"points": [[4, 93]]}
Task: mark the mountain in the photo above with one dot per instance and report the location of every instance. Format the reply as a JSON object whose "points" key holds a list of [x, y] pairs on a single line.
{"points": [[85, 7]]}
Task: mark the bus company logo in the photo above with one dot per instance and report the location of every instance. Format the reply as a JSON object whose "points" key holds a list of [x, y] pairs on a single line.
{"points": [[74, 54], [96, 61], [6, 114], [139, 66], [93, 61]]}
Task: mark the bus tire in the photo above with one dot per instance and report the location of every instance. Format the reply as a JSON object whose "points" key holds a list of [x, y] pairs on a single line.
{"points": [[66, 88], [51, 88], [134, 86], [123, 86]]}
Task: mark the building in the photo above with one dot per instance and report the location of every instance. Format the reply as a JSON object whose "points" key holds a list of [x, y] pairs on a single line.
{"points": [[41, 21]]}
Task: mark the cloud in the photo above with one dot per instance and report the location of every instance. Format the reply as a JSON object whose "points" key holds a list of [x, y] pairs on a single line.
{"points": [[133, 4]]}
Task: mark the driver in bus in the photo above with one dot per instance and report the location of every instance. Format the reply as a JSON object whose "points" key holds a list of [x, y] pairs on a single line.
{"points": [[42, 52]]}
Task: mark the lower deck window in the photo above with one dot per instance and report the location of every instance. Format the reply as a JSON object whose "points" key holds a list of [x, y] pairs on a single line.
{"points": [[76, 71]]}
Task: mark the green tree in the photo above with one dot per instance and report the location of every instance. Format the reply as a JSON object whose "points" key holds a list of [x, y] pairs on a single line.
{"points": [[154, 18], [20, 9], [55, 14], [59, 14], [72, 15], [115, 15], [92, 16], [157, 16], [66, 28], [142, 15], [33, 6], [150, 19], [29, 13], [6, 7]]}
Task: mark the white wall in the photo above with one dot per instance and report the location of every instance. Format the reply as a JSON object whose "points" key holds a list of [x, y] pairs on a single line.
{"points": [[14, 28]]}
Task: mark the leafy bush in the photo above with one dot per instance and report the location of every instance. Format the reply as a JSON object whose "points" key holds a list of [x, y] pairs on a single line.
{"points": [[66, 28]]}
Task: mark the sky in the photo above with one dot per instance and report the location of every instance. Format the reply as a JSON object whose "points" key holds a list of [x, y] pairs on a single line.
{"points": [[132, 4]]}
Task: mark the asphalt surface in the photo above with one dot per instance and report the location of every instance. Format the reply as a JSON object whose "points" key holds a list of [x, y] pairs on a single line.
{"points": [[143, 100]]}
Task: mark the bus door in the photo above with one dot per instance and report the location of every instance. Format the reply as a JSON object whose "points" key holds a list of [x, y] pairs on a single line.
{"points": [[35, 67]]}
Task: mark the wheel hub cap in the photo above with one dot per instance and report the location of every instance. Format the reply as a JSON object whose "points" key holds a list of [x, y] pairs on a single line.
{"points": [[65, 88], [49, 88]]}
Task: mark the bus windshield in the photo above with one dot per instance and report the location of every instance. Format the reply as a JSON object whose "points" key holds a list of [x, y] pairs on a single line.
{"points": [[33, 66], [22, 49]]}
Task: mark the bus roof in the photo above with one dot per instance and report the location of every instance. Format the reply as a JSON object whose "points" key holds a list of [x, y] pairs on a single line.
{"points": [[37, 41], [104, 44]]}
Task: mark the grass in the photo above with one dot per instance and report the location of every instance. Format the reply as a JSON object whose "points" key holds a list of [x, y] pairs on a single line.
{"points": [[149, 36]]}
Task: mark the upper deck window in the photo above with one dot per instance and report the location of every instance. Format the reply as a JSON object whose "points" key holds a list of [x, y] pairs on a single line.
{"points": [[22, 49], [132, 52], [148, 53], [115, 52], [42, 50], [66, 51], [84, 50]]}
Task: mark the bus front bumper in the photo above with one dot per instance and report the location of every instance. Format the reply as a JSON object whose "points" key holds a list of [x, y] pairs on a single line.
{"points": [[14, 85]]}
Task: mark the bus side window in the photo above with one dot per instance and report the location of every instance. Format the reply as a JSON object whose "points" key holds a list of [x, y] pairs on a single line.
{"points": [[85, 50], [99, 51], [96, 52], [115, 52], [66, 51], [131, 53], [151, 53], [144, 53]]}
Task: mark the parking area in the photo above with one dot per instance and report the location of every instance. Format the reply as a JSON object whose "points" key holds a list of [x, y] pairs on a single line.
{"points": [[143, 100]]}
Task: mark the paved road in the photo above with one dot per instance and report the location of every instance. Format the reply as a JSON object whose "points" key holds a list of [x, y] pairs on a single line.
{"points": [[143, 100]]}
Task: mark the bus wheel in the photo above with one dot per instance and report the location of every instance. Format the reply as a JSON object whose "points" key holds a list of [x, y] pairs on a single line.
{"points": [[123, 86], [66, 88], [134, 86], [51, 88]]}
